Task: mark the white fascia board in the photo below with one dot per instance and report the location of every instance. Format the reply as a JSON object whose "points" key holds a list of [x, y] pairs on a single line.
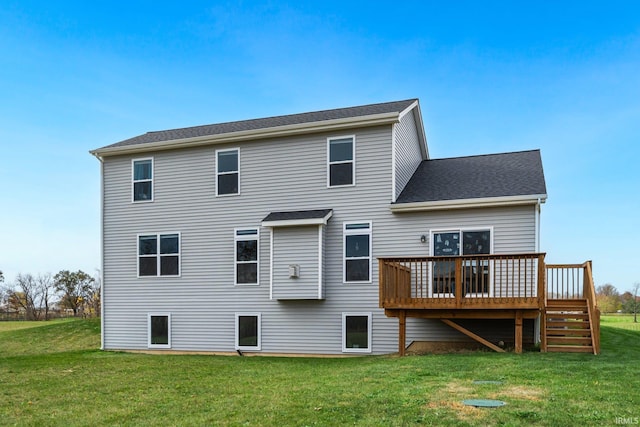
{"points": [[297, 222], [417, 116], [469, 203], [247, 135]]}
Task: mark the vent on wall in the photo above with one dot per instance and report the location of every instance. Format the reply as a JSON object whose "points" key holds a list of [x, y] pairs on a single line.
{"points": [[294, 271]]}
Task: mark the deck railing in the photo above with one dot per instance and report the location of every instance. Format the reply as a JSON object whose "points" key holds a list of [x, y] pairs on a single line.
{"points": [[575, 281], [566, 281], [463, 282]]}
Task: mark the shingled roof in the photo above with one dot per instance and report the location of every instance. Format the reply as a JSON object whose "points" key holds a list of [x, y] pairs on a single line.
{"points": [[265, 123], [474, 177]]}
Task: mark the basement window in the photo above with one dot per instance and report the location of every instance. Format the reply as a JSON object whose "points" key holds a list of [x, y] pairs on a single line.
{"points": [[248, 331], [356, 332], [159, 331]]}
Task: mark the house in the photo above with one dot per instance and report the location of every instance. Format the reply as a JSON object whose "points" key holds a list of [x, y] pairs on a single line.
{"points": [[329, 232]]}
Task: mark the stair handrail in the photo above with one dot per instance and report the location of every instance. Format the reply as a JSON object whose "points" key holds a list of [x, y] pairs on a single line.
{"points": [[589, 292]]}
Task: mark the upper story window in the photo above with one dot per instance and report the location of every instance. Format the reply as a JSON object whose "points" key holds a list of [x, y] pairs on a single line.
{"points": [[142, 180], [357, 252], [341, 155], [227, 172], [246, 256], [159, 255]]}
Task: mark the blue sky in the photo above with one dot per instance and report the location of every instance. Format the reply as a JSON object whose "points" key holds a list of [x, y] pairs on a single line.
{"points": [[506, 76]]}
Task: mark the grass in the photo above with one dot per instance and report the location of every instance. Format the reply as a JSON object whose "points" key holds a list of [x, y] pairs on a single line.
{"points": [[51, 374], [623, 321]]}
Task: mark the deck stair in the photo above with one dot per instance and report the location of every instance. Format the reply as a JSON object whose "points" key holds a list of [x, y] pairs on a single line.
{"points": [[569, 326]]}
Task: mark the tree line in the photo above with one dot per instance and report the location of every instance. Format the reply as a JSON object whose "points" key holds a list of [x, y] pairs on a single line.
{"points": [[41, 296], [610, 300]]}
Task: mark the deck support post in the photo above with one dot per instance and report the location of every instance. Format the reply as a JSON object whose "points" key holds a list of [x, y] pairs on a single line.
{"points": [[518, 337], [402, 332]]}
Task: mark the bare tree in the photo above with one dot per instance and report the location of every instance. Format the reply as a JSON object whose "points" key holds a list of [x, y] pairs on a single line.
{"points": [[45, 293], [636, 288], [607, 290], [24, 296], [94, 296], [75, 288], [3, 290]]}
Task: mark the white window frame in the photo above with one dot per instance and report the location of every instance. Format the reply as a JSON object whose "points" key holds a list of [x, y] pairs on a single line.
{"points": [[246, 237], [237, 331], [360, 231], [134, 181], [352, 161], [158, 255], [460, 231], [149, 316], [218, 174], [369, 332]]}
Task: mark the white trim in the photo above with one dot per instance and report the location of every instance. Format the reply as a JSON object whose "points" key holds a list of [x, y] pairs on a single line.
{"points": [[298, 222], [102, 300], [352, 161], [320, 261], [369, 332], [408, 109], [133, 180], [247, 237], [422, 136], [417, 116], [393, 162], [537, 208], [158, 314], [469, 203], [158, 255], [237, 330], [237, 150], [253, 134], [357, 232], [271, 232]]}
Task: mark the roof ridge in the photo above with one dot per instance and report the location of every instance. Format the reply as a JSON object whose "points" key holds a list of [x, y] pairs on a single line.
{"points": [[484, 155], [280, 116]]}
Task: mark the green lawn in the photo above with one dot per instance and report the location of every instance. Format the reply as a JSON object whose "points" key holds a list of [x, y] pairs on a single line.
{"points": [[52, 374], [624, 321]]}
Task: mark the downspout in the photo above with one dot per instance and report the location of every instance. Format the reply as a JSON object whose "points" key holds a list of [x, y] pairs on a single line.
{"points": [[538, 207], [100, 159], [393, 163]]}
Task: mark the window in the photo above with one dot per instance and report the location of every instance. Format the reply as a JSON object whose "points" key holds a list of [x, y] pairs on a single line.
{"points": [[356, 332], [143, 180], [357, 252], [341, 161], [475, 272], [228, 172], [246, 256], [159, 255], [248, 331], [159, 331]]}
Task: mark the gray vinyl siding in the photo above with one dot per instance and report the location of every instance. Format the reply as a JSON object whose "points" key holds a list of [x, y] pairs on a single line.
{"points": [[407, 151], [299, 246], [277, 175]]}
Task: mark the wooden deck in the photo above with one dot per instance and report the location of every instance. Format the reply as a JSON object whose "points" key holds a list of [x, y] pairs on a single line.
{"points": [[505, 286]]}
